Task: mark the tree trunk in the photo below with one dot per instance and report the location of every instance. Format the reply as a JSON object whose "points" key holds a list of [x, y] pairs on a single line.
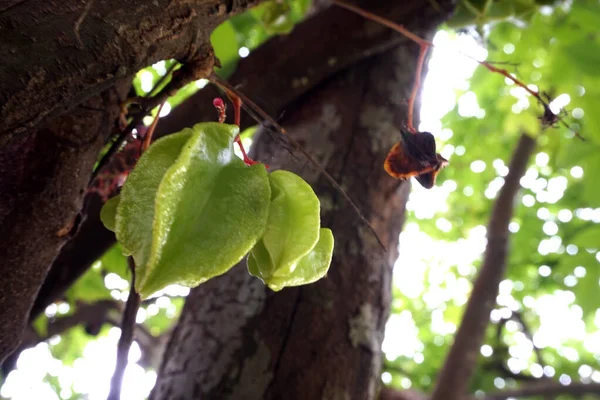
{"points": [[42, 179], [238, 340]]}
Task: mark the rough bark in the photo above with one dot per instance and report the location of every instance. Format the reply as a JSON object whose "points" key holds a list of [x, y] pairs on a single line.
{"points": [[90, 241], [42, 179], [238, 340], [46, 154], [61, 53]]}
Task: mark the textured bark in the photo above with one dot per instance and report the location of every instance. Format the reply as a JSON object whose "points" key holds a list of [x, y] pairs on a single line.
{"points": [[42, 179], [238, 340], [70, 56], [90, 241], [61, 53]]}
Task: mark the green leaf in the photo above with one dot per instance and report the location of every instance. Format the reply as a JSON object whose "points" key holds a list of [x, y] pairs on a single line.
{"points": [[40, 325], [276, 17], [292, 227], [209, 211], [114, 261], [225, 43], [89, 288], [315, 264], [71, 345], [585, 55], [109, 213], [500, 10], [135, 214], [164, 319], [462, 16], [575, 152], [299, 8], [248, 133], [586, 291]]}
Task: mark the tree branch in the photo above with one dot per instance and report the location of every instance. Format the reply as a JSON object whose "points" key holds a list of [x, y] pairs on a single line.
{"points": [[547, 388], [127, 329], [531, 390], [461, 360], [92, 316], [114, 41]]}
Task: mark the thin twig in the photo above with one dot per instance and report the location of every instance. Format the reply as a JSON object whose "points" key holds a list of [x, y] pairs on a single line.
{"points": [[518, 317], [89, 315], [456, 373], [266, 117], [118, 142], [150, 132], [498, 367], [127, 329], [529, 335], [416, 86]]}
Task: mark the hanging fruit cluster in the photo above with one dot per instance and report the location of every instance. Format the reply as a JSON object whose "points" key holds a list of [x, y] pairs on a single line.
{"points": [[191, 209]]}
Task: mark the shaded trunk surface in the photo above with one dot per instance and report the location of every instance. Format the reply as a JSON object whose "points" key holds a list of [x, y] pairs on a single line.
{"points": [[238, 340], [42, 180], [57, 54]]}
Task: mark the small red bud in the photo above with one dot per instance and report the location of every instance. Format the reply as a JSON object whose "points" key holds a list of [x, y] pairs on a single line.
{"points": [[218, 103], [221, 107]]}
